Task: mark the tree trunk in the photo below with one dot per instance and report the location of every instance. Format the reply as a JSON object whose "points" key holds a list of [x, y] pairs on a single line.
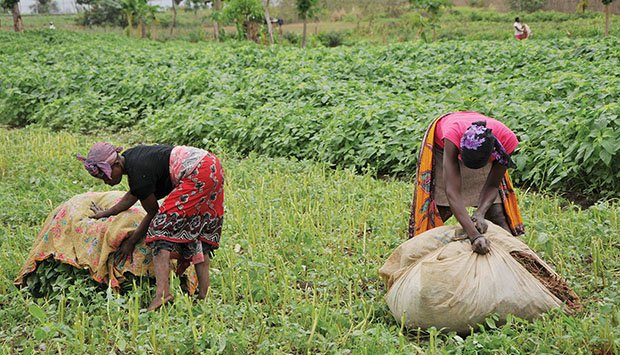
{"points": [[142, 29], [268, 19], [303, 36], [216, 26], [129, 24], [18, 24], [174, 17], [607, 11]]}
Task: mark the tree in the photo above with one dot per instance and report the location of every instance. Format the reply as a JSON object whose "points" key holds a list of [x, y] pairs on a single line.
{"points": [[246, 15], [140, 11], [607, 12], [305, 9], [44, 6], [175, 3], [432, 8], [268, 20], [18, 23], [217, 10], [102, 12]]}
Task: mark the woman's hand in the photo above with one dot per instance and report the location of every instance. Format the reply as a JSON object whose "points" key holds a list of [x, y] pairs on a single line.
{"points": [[480, 244], [98, 211], [480, 223], [125, 251]]}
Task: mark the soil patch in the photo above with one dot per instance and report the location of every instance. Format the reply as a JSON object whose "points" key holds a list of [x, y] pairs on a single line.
{"points": [[556, 285]]}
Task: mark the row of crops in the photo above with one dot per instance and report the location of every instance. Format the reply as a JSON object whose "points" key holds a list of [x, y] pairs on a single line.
{"points": [[362, 107]]}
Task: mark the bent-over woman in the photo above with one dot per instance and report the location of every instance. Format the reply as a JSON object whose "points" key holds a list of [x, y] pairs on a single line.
{"points": [[188, 224], [463, 162]]}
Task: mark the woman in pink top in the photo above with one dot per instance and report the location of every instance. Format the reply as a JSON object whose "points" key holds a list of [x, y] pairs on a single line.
{"points": [[470, 156]]}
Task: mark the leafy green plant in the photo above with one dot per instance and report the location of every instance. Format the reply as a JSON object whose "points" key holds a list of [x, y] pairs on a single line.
{"points": [[331, 39], [246, 15], [432, 10], [362, 107], [101, 12], [292, 37]]}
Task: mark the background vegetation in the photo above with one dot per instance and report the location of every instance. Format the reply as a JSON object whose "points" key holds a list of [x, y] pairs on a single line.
{"points": [[366, 22], [360, 107]]}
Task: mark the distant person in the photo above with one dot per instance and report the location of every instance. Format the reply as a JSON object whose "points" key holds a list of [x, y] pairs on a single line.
{"points": [[280, 22], [463, 162], [188, 224], [522, 30]]}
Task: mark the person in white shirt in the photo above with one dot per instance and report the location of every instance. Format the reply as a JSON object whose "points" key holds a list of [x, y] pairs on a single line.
{"points": [[521, 30]]}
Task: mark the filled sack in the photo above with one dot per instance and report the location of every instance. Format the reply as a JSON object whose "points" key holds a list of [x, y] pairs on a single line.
{"points": [[436, 280]]}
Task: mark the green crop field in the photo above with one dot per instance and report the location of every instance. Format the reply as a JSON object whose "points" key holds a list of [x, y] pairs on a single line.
{"points": [[319, 148], [297, 271], [360, 107]]}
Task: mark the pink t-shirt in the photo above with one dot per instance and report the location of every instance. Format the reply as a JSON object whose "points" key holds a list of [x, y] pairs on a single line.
{"points": [[453, 125]]}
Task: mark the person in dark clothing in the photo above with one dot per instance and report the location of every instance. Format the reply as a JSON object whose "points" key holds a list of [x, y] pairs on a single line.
{"points": [[186, 226]]}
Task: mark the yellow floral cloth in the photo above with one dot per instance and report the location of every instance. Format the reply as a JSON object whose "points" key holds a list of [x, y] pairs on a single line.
{"points": [[71, 237]]}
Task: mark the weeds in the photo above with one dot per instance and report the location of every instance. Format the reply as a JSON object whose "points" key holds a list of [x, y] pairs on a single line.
{"points": [[297, 271]]}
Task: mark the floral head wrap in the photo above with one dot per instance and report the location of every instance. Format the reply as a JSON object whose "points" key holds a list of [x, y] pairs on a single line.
{"points": [[100, 159], [478, 144]]}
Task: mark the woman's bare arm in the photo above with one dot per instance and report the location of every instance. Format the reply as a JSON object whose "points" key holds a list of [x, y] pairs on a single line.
{"points": [[489, 190], [126, 248], [123, 205], [452, 178]]}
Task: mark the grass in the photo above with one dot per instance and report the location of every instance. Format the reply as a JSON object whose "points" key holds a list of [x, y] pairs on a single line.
{"points": [[297, 271]]}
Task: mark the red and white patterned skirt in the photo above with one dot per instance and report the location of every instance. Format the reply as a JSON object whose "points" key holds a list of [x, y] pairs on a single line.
{"points": [[189, 222]]}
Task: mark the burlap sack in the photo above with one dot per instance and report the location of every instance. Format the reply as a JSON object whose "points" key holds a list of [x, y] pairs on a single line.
{"points": [[435, 279]]}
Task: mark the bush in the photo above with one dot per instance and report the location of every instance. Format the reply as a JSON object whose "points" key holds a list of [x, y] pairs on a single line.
{"points": [[196, 36], [331, 39], [102, 12], [292, 37]]}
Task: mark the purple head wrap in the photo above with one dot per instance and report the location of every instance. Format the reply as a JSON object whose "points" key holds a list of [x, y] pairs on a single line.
{"points": [[478, 144], [501, 155], [100, 159], [475, 136]]}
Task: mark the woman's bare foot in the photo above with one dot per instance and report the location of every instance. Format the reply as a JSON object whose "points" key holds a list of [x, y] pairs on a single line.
{"points": [[159, 301]]}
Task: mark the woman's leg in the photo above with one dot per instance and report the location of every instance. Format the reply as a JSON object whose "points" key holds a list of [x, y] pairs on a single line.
{"points": [[202, 271], [162, 278], [496, 215]]}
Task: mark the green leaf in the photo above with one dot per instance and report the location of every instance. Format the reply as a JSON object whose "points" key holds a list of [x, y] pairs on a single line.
{"points": [[610, 146], [121, 344], [41, 333], [605, 157], [37, 312]]}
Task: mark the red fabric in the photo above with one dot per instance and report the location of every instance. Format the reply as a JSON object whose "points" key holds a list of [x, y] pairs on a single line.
{"points": [[453, 125], [521, 36], [193, 212]]}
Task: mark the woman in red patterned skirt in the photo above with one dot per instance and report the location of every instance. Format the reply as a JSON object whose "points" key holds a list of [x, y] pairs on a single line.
{"points": [[188, 224]]}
